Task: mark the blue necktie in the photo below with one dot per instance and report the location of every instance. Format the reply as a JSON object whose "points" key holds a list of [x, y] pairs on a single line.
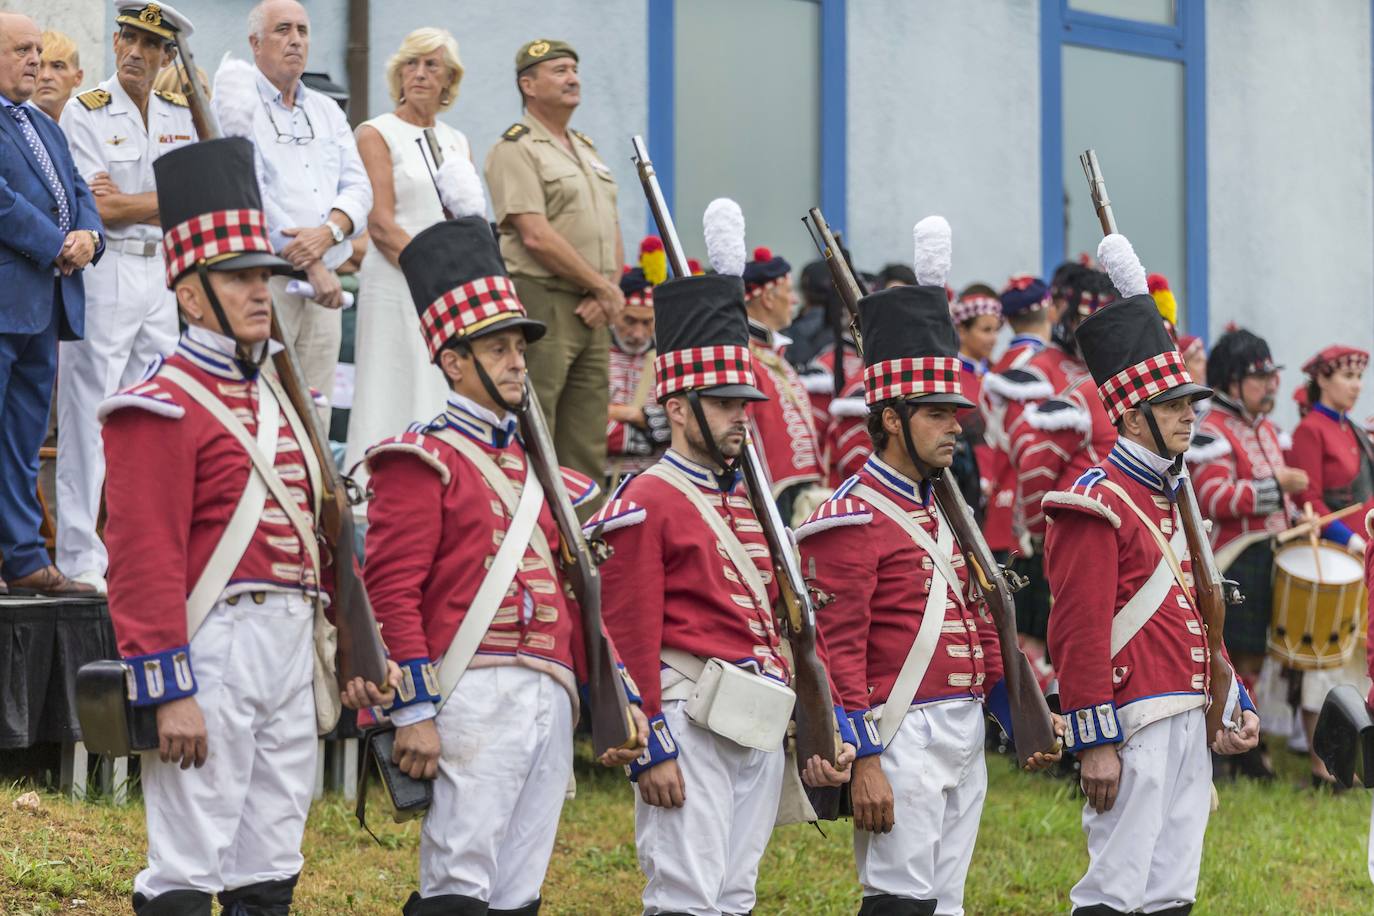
{"points": [[64, 213]]}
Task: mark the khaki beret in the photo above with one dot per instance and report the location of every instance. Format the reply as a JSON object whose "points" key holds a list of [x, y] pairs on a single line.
{"points": [[540, 50]]}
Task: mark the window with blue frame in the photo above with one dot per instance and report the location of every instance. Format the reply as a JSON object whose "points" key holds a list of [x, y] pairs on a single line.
{"points": [[746, 100], [1126, 77]]}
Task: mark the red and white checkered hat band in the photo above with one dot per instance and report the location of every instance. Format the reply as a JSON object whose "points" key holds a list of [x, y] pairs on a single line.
{"points": [[758, 289], [643, 297], [1141, 382], [468, 308], [961, 310], [906, 378], [211, 236], [702, 367]]}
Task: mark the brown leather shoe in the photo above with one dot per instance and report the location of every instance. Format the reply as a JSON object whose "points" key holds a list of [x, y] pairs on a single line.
{"points": [[50, 582]]}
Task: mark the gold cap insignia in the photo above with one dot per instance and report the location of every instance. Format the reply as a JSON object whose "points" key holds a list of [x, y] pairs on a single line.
{"points": [[151, 14], [538, 49]]}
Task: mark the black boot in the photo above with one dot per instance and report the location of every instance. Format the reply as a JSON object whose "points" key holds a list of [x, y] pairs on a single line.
{"points": [[1097, 909], [444, 905], [266, 898], [173, 903], [1254, 764], [529, 909], [892, 905], [1183, 909]]}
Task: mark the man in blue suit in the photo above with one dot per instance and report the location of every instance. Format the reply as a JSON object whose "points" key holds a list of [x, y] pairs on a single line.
{"points": [[49, 231]]}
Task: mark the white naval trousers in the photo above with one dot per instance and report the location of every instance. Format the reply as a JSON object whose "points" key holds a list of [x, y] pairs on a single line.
{"points": [[314, 334], [1144, 854], [939, 779], [239, 819], [504, 765], [703, 858], [131, 319]]}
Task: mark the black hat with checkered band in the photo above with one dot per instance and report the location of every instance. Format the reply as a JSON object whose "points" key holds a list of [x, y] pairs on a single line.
{"points": [[1129, 352], [210, 207], [911, 350], [702, 332], [459, 284]]}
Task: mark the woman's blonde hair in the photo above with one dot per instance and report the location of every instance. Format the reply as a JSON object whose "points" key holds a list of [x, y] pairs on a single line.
{"points": [[418, 43]]}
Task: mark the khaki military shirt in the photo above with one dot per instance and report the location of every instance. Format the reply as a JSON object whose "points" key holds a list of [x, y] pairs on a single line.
{"points": [[529, 171]]}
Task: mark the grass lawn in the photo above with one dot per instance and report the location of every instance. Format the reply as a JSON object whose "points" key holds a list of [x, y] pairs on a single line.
{"points": [[1270, 849]]}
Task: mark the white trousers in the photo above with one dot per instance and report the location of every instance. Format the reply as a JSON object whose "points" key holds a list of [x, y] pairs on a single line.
{"points": [[239, 819], [314, 333], [506, 738], [703, 858], [1144, 854], [939, 779], [131, 319]]}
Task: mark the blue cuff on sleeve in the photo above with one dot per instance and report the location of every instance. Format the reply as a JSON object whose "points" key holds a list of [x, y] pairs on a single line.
{"points": [[1244, 695], [160, 676], [631, 688], [865, 733], [846, 728], [1339, 532], [1091, 726], [419, 684], [997, 702], [661, 747]]}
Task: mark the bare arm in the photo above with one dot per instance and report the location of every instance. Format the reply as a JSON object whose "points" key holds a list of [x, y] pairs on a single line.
{"points": [[119, 209], [554, 252], [389, 237]]}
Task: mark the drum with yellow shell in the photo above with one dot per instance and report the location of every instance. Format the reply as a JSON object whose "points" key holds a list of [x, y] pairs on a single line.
{"points": [[1319, 605]]}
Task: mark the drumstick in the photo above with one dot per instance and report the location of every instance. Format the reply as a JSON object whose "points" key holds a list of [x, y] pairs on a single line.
{"points": [[1301, 529]]}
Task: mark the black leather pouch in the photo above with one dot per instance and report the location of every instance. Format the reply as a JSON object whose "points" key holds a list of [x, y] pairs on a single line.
{"points": [[110, 724]]}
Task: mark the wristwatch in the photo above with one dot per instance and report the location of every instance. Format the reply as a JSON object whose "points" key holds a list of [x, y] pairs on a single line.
{"points": [[95, 238], [335, 231]]}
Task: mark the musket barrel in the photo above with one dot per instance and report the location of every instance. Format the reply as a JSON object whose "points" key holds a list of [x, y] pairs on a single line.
{"points": [[658, 206]]}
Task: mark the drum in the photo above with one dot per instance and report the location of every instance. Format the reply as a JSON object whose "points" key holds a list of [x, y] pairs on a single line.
{"points": [[1319, 605]]}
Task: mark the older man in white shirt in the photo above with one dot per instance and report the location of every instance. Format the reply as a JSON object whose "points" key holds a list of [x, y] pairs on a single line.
{"points": [[315, 189]]}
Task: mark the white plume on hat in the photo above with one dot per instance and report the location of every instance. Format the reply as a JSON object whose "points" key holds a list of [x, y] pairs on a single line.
{"points": [[723, 226], [460, 189], [934, 250], [235, 97], [1119, 260]]}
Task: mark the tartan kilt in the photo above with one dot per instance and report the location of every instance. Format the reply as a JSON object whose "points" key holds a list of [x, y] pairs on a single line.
{"points": [[1247, 623]]}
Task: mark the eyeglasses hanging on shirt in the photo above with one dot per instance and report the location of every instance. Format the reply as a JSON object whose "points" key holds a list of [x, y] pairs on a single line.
{"points": [[291, 137]]}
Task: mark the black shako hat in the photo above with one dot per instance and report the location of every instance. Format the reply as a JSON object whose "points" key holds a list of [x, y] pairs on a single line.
{"points": [[702, 333], [210, 208], [459, 284], [911, 350], [1132, 358]]}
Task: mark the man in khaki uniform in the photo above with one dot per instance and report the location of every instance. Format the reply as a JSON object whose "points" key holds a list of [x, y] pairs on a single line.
{"points": [[555, 204]]}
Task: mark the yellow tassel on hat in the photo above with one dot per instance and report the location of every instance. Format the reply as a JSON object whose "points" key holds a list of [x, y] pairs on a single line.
{"points": [[653, 260], [1164, 298]]}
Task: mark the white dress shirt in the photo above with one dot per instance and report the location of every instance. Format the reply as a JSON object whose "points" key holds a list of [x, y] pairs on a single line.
{"points": [[303, 181]]}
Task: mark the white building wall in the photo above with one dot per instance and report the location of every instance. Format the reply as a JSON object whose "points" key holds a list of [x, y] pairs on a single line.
{"points": [[83, 21], [1290, 178], [944, 117]]}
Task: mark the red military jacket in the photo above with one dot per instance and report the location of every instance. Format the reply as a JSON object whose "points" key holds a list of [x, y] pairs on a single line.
{"points": [[819, 381], [847, 445], [1233, 460], [625, 372], [786, 433], [434, 523], [1326, 447], [997, 516], [1098, 557], [173, 477], [1053, 439], [878, 578], [668, 584]]}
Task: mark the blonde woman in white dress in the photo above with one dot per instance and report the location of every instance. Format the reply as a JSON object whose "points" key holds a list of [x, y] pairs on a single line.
{"points": [[395, 383]]}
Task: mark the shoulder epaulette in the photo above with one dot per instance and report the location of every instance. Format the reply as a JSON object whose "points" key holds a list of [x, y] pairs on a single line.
{"points": [[580, 487], [1018, 385], [411, 443], [1207, 447], [176, 98], [617, 513], [96, 98], [149, 395], [1056, 414], [848, 407], [835, 512], [818, 382], [1082, 498], [583, 137], [515, 131]]}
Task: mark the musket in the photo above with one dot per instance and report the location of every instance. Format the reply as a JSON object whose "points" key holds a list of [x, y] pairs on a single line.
{"points": [[1213, 591], [1031, 724], [361, 652], [815, 711], [612, 722]]}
